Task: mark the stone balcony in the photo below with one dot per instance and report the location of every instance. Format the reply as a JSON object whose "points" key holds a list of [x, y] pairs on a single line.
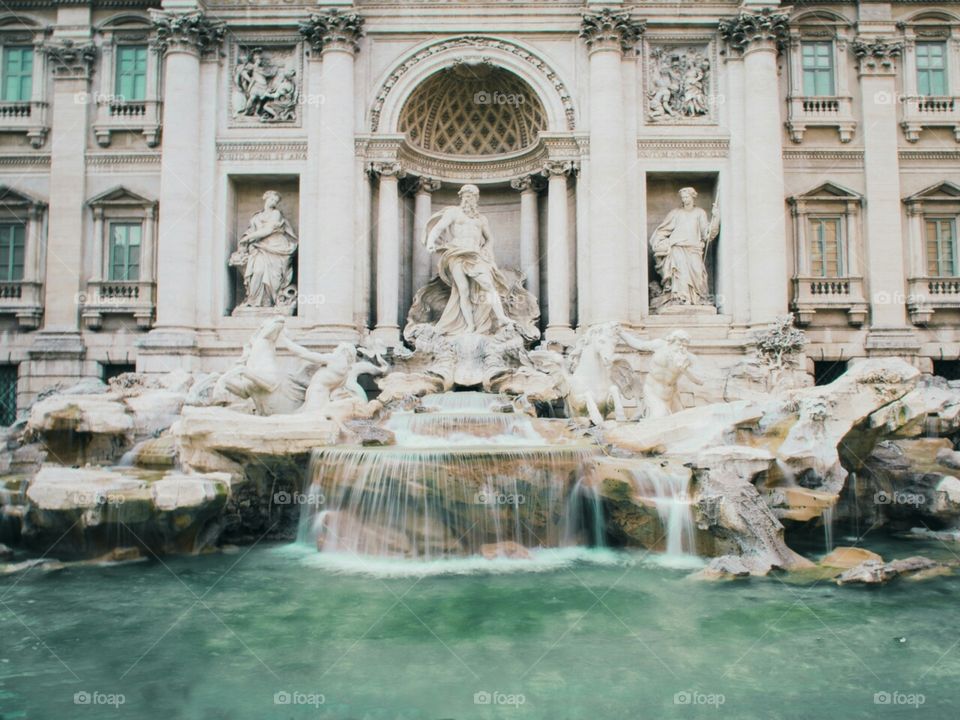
{"points": [[24, 299], [108, 297], [929, 111], [128, 116], [822, 111], [926, 295], [814, 294], [27, 117]]}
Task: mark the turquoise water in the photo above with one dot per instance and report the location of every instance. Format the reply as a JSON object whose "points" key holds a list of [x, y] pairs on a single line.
{"points": [[579, 635]]}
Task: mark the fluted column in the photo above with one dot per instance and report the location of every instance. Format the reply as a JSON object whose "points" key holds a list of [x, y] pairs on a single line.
{"points": [[182, 37], [335, 36], [423, 189], [758, 37], [883, 219], [72, 64], [558, 252], [529, 231], [388, 251], [608, 35]]}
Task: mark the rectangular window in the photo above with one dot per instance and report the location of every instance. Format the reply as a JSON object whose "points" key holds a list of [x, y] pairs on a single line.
{"points": [[131, 72], [817, 68], [932, 68], [124, 251], [826, 248], [941, 247], [8, 395], [17, 74], [12, 244]]}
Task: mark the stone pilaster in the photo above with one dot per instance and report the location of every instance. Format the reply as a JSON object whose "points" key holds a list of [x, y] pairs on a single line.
{"points": [[182, 38], [883, 238], [558, 252], [333, 38], [757, 37], [608, 34], [388, 175]]}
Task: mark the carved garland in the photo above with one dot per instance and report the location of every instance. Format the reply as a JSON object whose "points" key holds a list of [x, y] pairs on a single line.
{"points": [[474, 41]]}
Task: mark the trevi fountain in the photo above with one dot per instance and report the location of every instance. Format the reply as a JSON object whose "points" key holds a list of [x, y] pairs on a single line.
{"points": [[546, 528], [561, 492]]}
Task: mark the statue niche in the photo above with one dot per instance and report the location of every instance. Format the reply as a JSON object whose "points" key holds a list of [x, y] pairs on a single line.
{"points": [[264, 260], [680, 244]]}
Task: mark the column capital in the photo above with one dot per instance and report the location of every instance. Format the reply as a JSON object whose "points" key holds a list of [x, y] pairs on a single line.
{"points": [[555, 168], [422, 184], [877, 56], [70, 60], [333, 30], [191, 32], [755, 30], [607, 29], [378, 170], [527, 183]]}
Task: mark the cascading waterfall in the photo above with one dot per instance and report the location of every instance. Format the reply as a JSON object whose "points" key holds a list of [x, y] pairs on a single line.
{"points": [[669, 492], [459, 478]]}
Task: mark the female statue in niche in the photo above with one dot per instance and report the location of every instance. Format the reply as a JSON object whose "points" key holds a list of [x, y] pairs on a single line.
{"points": [[679, 245], [265, 256]]}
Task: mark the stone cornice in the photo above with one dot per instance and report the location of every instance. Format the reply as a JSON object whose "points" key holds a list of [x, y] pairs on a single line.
{"points": [[333, 30], [69, 60], [877, 56], [186, 32], [748, 29], [610, 30]]}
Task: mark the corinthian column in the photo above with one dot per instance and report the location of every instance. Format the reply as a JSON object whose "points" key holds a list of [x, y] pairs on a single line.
{"points": [[529, 232], [758, 37], [388, 251], [608, 35], [423, 189], [182, 37], [334, 36], [884, 248], [558, 253]]}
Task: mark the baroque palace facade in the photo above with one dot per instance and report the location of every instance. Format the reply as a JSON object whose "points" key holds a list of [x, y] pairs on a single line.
{"points": [[140, 141]]}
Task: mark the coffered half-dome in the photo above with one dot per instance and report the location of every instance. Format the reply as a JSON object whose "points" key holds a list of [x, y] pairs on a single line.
{"points": [[473, 109]]}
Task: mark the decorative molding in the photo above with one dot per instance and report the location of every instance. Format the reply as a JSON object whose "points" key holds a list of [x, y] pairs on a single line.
{"points": [[478, 42], [464, 170], [69, 60], [239, 150], [753, 29], [101, 159], [333, 30], [665, 148], [24, 160], [832, 155], [924, 155], [186, 32], [877, 56], [609, 30]]}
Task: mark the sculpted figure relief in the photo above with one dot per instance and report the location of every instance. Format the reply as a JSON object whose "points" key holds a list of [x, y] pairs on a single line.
{"points": [[679, 84], [269, 95], [470, 294], [679, 245], [265, 258], [670, 361]]}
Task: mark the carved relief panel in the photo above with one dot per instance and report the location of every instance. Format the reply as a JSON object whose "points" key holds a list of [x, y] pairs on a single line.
{"points": [[679, 82], [266, 82]]}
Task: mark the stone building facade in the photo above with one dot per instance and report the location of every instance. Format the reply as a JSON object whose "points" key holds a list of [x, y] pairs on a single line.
{"points": [[138, 138]]}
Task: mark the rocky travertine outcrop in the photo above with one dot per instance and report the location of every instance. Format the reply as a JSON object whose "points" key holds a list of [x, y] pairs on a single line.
{"points": [[876, 572], [89, 511]]}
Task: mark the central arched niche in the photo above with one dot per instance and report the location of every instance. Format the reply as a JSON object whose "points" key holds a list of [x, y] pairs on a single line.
{"points": [[472, 109]]}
